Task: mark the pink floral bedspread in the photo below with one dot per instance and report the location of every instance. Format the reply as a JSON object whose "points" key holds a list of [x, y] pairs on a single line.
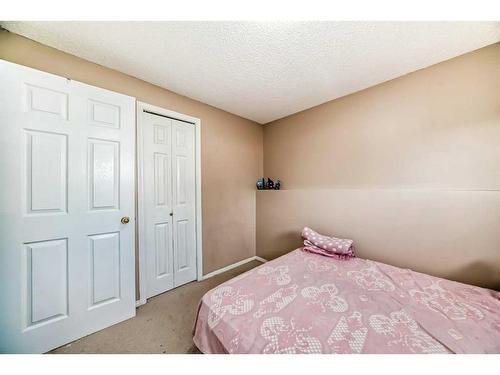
{"points": [[307, 303]]}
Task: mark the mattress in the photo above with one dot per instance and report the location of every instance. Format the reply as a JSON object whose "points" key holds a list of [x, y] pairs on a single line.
{"points": [[308, 303]]}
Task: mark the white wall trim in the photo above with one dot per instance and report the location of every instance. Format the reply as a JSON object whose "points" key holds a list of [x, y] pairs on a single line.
{"points": [[140, 182], [234, 265]]}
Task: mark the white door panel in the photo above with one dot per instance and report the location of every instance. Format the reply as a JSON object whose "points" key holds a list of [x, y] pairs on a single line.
{"points": [[46, 100], [157, 152], [169, 202], [162, 250], [184, 203], [46, 188], [46, 265], [66, 164], [103, 174], [107, 122], [104, 252]]}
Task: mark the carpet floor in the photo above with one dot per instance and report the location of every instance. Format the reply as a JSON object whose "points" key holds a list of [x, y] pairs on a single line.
{"points": [[163, 325]]}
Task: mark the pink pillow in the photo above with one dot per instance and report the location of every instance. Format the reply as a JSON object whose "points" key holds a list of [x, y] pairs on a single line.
{"points": [[328, 246]]}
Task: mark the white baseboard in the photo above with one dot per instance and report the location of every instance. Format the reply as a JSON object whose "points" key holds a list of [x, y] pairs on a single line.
{"points": [[231, 266], [142, 301]]}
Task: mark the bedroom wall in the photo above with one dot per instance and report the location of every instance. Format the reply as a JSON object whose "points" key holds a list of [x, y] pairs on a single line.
{"points": [[410, 169], [231, 147]]}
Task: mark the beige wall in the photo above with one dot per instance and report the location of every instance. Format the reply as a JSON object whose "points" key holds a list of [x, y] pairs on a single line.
{"points": [[451, 234], [231, 147], [435, 130]]}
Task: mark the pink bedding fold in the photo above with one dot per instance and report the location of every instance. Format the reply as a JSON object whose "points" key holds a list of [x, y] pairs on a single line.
{"points": [[327, 246]]}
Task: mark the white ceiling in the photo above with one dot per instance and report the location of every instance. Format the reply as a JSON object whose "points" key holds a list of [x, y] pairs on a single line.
{"points": [[260, 70]]}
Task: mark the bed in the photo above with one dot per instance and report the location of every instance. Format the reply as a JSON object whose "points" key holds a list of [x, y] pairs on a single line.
{"points": [[308, 303]]}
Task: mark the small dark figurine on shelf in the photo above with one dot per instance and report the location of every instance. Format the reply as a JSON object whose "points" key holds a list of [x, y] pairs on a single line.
{"points": [[270, 184], [261, 184]]}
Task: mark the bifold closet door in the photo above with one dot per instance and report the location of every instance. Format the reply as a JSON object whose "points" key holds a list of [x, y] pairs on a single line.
{"points": [[157, 182], [67, 174], [168, 164], [183, 202]]}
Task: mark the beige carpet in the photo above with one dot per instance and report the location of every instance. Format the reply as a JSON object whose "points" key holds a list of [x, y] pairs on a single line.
{"points": [[163, 325]]}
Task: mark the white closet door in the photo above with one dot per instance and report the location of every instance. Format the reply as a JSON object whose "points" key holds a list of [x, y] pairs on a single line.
{"points": [[67, 159], [184, 202], [157, 171], [169, 202]]}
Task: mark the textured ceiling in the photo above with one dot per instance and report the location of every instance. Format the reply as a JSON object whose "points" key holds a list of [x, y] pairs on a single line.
{"points": [[260, 70]]}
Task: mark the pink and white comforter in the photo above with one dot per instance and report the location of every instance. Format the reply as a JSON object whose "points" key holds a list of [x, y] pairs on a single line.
{"points": [[307, 303]]}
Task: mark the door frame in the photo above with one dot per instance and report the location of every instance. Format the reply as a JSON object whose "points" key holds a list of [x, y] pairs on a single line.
{"points": [[141, 106]]}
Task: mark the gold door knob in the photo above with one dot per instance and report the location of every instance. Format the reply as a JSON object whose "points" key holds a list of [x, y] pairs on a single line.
{"points": [[125, 220]]}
